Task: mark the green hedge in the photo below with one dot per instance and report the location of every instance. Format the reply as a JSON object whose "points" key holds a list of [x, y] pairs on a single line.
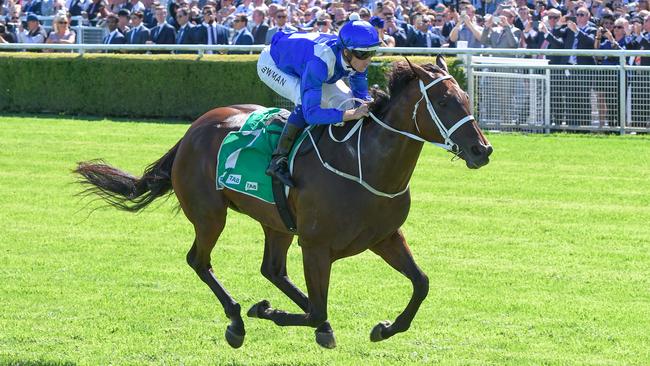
{"points": [[168, 86]]}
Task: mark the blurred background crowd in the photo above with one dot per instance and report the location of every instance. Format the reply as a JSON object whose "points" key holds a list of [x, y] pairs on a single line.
{"points": [[567, 24]]}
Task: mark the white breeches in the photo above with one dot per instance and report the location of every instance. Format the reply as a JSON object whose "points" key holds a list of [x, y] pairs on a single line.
{"points": [[288, 86]]}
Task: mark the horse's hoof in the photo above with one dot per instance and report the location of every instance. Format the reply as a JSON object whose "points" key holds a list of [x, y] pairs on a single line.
{"points": [[234, 340], [326, 339], [375, 334], [256, 310]]}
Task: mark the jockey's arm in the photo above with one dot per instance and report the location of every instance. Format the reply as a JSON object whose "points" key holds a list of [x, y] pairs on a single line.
{"points": [[311, 87]]}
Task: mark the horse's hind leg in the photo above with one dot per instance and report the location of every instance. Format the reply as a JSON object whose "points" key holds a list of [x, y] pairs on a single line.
{"points": [[207, 233], [396, 252], [274, 268]]}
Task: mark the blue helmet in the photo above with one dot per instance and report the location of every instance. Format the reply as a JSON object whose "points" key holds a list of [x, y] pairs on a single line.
{"points": [[358, 35]]}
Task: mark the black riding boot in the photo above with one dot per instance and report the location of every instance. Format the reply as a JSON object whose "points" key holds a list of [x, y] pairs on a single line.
{"points": [[278, 166]]}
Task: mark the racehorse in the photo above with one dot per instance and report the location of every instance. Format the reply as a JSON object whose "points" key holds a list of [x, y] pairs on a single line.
{"points": [[337, 214]]}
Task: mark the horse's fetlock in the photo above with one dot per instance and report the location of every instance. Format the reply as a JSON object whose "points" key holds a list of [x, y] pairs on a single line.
{"points": [[315, 319]]}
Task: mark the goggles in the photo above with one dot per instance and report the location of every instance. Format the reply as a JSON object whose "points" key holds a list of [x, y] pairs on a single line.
{"points": [[362, 55]]}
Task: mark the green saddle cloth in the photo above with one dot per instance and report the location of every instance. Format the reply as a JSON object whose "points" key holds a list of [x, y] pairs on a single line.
{"points": [[244, 155]]}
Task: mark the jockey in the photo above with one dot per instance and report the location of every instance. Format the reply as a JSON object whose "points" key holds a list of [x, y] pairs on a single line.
{"points": [[307, 69]]}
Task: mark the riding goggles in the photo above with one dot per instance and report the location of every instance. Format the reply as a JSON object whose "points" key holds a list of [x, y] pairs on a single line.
{"points": [[362, 55]]}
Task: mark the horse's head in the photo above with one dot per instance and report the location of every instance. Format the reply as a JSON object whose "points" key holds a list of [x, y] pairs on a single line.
{"points": [[442, 114]]}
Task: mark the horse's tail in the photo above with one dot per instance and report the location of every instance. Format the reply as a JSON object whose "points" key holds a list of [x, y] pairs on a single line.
{"points": [[123, 190]]}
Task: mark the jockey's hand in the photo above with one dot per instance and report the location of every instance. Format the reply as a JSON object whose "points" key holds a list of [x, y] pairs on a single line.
{"points": [[354, 114]]}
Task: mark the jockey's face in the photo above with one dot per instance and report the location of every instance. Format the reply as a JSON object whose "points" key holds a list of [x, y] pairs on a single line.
{"points": [[360, 65]]}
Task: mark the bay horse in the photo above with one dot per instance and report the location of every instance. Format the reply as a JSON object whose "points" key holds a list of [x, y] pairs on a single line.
{"points": [[336, 217]]}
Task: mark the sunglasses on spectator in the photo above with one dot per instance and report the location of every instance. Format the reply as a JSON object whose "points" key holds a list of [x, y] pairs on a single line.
{"points": [[582, 15], [554, 17], [208, 13], [63, 22], [362, 55], [280, 16], [618, 27]]}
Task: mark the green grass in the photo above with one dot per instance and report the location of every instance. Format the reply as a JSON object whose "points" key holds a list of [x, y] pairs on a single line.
{"points": [[542, 257]]}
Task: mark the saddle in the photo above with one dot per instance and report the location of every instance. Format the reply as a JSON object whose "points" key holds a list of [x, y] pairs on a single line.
{"points": [[245, 154]]}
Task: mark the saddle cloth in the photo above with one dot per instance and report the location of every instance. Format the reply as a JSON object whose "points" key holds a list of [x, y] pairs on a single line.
{"points": [[245, 154]]}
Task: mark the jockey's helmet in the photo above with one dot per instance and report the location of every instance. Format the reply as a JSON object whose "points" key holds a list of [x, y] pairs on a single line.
{"points": [[360, 37]]}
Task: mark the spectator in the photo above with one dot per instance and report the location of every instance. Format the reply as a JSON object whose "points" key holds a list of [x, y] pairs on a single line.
{"points": [[580, 35], [324, 24], [209, 32], [618, 41], [500, 32], [391, 26], [150, 15], [139, 34], [75, 7], [340, 17], [242, 35], [123, 17], [364, 14], [424, 36], [61, 33], [226, 13], [96, 11], [385, 39], [114, 36], [466, 29], [134, 5], [260, 28], [5, 35], [34, 32], [247, 8], [162, 33], [280, 25], [186, 29], [32, 6]]}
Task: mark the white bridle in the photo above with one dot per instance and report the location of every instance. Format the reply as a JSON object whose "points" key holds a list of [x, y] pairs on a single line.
{"points": [[448, 143], [446, 133]]}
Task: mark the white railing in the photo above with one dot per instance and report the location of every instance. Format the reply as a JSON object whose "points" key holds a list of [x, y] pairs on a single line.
{"points": [[549, 97]]}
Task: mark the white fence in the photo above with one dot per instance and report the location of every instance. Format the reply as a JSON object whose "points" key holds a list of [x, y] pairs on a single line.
{"points": [[518, 92]]}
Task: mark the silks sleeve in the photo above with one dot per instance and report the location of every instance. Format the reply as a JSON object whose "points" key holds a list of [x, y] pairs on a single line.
{"points": [[359, 85], [311, 88]]}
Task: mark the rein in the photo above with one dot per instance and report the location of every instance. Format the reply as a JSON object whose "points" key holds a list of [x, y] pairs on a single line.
{"points": [[448, 143]]}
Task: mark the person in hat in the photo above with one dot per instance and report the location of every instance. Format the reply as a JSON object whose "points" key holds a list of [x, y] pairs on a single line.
{"points": [[34, 32], [307, 69]]}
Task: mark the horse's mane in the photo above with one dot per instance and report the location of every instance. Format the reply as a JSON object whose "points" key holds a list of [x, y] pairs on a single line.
{"points": [[398, 78]]}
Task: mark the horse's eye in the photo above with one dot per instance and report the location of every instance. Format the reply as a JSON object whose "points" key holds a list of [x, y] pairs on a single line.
{"points": [[442, 103]]}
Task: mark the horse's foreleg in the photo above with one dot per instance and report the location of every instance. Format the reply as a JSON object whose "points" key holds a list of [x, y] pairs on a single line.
{"points": [[199, 259], [396, 252], [317, 265], [274, 268]]}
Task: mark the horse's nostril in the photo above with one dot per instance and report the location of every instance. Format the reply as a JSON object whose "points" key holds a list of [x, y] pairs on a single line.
{"points": [[489, 150]]}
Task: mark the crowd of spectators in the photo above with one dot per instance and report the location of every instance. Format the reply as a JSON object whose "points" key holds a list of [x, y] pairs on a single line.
{"points": [[581, 24]]}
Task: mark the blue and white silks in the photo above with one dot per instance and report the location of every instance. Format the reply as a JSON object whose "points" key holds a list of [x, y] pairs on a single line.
{"points": [[307, 69]]}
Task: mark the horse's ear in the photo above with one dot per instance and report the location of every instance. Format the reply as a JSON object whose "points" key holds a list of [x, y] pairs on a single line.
{"points": [[417, 70], [441, 63]]}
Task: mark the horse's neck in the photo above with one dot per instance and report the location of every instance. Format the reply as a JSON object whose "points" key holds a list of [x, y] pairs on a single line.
{"points": [[388, 157]]}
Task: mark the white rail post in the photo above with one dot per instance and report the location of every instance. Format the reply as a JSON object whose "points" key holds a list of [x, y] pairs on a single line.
{"points": [[547, 101], [470, 81], [622, 99]]}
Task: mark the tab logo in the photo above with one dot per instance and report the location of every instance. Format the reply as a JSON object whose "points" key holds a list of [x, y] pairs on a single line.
{"points": [[251, 186], [233, 179]]}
